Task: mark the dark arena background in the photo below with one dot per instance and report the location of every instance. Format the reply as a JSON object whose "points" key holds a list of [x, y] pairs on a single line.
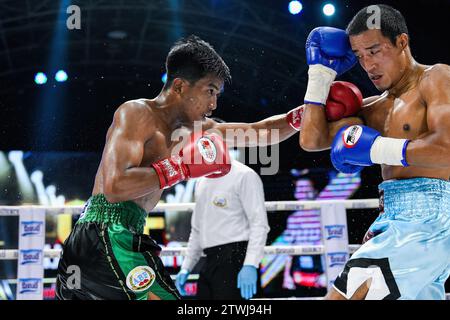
{"points": [[60, 86]]}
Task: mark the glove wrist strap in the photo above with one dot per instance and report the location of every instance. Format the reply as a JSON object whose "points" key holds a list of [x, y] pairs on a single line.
{"points": [[389, 151], [170, 171], [320, 79]]}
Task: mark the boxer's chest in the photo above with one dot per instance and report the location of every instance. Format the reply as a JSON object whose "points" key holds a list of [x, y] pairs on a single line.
{"points": [[160, 147], [399, 117]]}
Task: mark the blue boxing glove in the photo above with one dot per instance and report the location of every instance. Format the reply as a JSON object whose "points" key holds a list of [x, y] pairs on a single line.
{"points": [[180, 281], [247, 281], [328, 54], [359, 146], [330, 47]]}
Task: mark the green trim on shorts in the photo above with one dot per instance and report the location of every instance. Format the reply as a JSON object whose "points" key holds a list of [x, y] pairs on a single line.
{"points": [[130, 259], [122, 225], [126, 213]]}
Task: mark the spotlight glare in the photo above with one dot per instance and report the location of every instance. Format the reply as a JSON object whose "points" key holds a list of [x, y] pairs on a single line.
{"points": [[164, 77], [61, 76], [40, 78], [329, 9], [295, 7]]}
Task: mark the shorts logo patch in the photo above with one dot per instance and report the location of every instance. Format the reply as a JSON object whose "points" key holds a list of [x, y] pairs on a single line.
{"points": [[351, 136], [140, 278]]}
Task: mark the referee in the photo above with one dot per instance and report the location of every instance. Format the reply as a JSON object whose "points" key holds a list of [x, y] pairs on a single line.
{"points": [[229, 225]]}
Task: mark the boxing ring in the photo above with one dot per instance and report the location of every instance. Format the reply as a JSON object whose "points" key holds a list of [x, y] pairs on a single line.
{"points": [[333, 225]]}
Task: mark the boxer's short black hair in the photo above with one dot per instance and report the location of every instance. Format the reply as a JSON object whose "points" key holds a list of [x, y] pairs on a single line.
{"points": [[192, 58], [392, 22]]}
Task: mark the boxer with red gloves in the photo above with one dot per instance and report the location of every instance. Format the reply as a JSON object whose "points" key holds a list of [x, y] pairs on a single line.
{"points": [[139, 161]]}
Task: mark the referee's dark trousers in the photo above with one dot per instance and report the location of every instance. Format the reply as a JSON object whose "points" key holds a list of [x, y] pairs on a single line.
{"points": [[218, 276]]}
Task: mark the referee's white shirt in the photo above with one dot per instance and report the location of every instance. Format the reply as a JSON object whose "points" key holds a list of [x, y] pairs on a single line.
{"points": [[229, 209]]}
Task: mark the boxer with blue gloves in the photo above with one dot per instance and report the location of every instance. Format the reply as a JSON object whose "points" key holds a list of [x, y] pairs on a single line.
{"points": [[406, 130]]}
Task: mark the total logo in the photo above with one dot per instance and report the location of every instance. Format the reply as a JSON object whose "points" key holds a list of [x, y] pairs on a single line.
{"points": [[337, 258], [31, 228], [140, 278], [335, 231], [29, 285], [32, 256], [207, 149]]}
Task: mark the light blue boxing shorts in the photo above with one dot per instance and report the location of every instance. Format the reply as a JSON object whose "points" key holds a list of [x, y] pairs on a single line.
{"points": [[408, 256]]}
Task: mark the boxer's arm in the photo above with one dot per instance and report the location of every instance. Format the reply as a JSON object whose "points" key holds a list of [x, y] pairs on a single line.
{"points": [[269, 131], [124, 150], [432, 149], [318, 133]]}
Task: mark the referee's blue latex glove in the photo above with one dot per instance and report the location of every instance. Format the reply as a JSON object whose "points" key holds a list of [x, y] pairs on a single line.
{"points": [[180, 281], [247, 281]]}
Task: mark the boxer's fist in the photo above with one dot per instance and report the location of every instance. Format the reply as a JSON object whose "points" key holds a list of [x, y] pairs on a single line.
{"points": [[328, 54], [330, 47], [358, 146], [344, 100], [350, 150], [294, 117], [202, 156]]}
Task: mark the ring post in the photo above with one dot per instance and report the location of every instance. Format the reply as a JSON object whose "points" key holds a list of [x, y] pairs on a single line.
{"points": [[333, 219], [30, 268]]}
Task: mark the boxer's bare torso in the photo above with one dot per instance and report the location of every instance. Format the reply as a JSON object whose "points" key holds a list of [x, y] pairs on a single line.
{"points": [[155, 136], [405, 115]]}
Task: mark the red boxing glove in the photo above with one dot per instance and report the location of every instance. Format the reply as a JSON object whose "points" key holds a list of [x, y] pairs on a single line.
{"points": [[294, 117], [344, 100], [203, 155]]}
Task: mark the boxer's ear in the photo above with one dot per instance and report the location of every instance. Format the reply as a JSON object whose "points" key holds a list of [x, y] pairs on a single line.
{"points": [[177, 85], [402, 41]]}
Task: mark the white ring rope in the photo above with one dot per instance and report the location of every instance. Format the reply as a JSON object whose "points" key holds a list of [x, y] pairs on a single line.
{"points": [[189, 206], [12, 254]]}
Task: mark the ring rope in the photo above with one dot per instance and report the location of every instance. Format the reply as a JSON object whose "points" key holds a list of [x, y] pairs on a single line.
{"points": [[189, 206], [12, 254]]}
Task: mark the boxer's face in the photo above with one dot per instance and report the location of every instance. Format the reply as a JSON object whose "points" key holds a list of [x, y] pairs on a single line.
{"points": [[383, 62], [200, 99]]}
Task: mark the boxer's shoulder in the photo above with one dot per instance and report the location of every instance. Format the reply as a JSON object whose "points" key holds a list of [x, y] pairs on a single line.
{"points": [[136, 105], [433, 74], [436, 70], [136, 118], [139, 110], [434, 82]]}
